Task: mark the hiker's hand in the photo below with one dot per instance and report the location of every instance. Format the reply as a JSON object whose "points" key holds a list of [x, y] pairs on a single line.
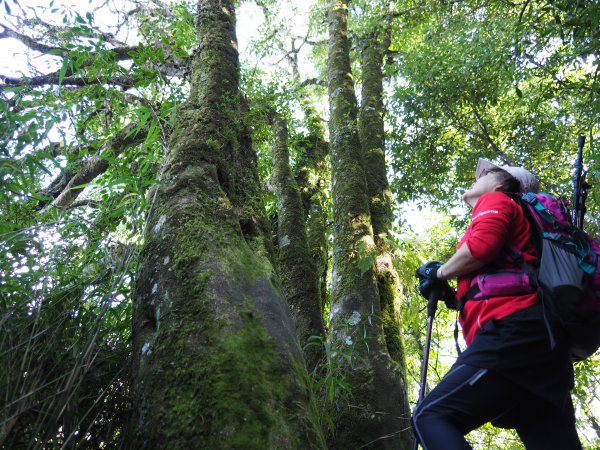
{"points": [[448, 295], [428, 271], [427, 276]]}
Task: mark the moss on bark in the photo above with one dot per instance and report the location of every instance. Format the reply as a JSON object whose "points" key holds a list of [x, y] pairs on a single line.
{"points": [[374, 417], [372, 137], [296, 270], [311, 177], [216, 362]]}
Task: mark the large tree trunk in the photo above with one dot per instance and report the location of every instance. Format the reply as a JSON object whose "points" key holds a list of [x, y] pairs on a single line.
{"points": [[374, 416], [297, 272], [372, 138], [216, 361]]}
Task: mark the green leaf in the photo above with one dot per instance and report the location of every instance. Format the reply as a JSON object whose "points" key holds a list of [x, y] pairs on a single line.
{"points": [[518, 92], [63, 70], [5, 227], [37, 196]]}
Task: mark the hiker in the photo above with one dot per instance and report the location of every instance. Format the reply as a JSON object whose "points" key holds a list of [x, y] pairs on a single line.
{"points": [[517, 370]]}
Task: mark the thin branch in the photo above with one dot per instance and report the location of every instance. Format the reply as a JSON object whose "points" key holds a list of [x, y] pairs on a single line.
{"points": [[56, 30], [522, 13], [124, 82], [313, 82], [483, 136], [166, 9], [129, 136], [486, 133], [32, 43]]}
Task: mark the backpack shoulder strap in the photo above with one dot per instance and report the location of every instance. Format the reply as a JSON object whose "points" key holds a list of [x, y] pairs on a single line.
{"points": [[535, 231]]}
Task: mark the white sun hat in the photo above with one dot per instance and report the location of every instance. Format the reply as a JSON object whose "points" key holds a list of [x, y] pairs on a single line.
{"points": [[529, 183]]}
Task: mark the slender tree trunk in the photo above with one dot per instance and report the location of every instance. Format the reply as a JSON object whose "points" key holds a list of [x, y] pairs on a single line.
{"points": [[312, 180], [216, 361], [374, 416], [372, 137], [297, 271], [246, 194]]}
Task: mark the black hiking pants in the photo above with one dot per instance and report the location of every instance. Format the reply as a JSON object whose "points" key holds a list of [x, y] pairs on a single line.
{"points": [[468, 397], [511, 376]]}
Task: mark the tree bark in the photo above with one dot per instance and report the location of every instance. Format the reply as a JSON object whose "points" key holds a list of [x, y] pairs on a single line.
{"points": [[312, 182], [297, 271], [372, 138], [374, 416], [216, 361]]}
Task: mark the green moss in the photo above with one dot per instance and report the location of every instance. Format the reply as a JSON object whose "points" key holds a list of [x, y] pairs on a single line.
{"points": [[390, 318], [249, 386], [230, 393]]}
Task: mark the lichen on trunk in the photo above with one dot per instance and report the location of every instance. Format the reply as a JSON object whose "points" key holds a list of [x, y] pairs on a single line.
{"points": [[216, 362], [297, 272], [372, 138], [374, 417], [312, 182]]}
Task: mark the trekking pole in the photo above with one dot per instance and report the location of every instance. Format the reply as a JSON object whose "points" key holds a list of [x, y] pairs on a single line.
{"points": [[431, 309], [580, 186]]}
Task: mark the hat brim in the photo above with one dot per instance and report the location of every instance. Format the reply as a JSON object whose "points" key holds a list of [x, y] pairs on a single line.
{"points": [[483, 165]]}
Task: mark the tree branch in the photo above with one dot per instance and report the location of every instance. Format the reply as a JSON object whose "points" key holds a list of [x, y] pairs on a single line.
{"points": [[487, 136], [483, 136], [57, 30], [96, 165], [164, 7], [32, 43], [122, 53], [313, 82], [125, 82]]}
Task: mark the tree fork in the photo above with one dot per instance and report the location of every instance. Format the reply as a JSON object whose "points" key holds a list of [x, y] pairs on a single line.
{"points": [[372, 138], [374, 416]]}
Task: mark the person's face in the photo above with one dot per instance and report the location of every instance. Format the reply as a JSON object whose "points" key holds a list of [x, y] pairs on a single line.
{"points": [[487, 182]]}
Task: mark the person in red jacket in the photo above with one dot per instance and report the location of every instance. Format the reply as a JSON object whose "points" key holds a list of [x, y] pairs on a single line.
{"points": [[517, 370]]}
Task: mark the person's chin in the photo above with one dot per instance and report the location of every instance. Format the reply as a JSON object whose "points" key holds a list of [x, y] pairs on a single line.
{"points": [[469, 199]]}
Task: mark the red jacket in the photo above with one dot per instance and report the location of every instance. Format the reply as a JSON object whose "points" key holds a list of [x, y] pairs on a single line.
{"points": [[497, 224]]}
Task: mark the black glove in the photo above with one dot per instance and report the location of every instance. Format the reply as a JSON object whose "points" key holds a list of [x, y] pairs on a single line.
{"points": [[448, 295], [427, 275], [428, 280]]}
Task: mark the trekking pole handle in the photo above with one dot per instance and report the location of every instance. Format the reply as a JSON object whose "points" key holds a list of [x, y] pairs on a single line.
{"points": [[432, 302]]}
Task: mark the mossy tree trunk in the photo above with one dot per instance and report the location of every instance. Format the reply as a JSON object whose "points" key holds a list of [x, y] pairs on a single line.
{"points": [[311, 179], [296, 269], [372, 138], [216, 361], [373, 418]]}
